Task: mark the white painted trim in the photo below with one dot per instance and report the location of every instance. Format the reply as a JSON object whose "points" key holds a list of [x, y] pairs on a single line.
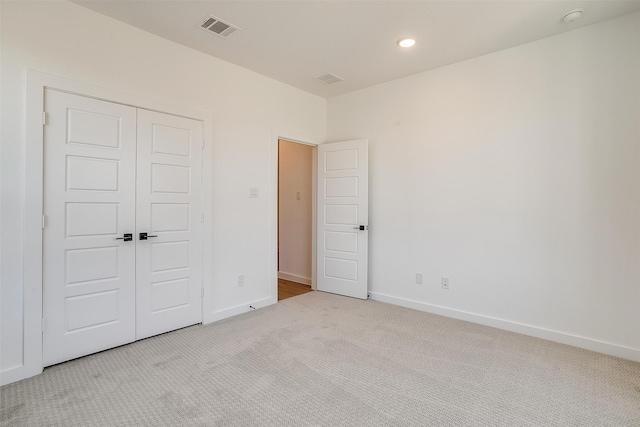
{"points": [[243, 308], [36, 84], [314, 216], [33, 209], [207, 226], [12, 375], [300, 139], [294, 278], [507, 325]]}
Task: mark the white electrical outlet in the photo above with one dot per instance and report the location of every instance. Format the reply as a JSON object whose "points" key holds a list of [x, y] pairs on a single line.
{"points": [[444, 282], [418, 278], [254, 192], [241, 280]]}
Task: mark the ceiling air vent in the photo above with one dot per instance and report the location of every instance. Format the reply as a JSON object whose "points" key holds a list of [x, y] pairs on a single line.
{"points": [[217, 26], [329, 79]]}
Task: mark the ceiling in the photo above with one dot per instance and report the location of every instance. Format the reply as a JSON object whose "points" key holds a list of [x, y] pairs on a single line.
{"points": [[296, 41]]}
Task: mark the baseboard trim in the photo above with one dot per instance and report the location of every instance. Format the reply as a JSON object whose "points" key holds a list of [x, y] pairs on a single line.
{"points": [[533, 331], [17, 373], [294, 278], [239, 309], [11, 375]]}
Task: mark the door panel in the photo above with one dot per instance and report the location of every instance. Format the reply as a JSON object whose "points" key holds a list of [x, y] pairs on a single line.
{"points": [[108, 172], [168, 278], [89, 276], [342, 208]]}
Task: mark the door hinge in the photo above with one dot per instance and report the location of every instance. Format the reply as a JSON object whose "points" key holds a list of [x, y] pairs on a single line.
{"points": [[201, 292], [43, 222], [202, 217], [44, 118], [203, 143], [42, 324]]}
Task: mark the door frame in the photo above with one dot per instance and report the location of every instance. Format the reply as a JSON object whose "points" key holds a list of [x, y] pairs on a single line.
{"points": [[36, 83], [298, 139]]}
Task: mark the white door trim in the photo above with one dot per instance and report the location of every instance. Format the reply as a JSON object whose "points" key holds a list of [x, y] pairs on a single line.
{"points": [[300, 139], [36, 82]]}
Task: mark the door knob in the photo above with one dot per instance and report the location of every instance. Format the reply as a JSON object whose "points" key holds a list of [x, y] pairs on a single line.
{"points": [[361, 227], [144, 236], [127, 237]]}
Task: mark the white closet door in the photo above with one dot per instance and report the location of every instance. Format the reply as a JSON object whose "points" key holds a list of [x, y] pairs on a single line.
{"points": [[168, 278], [89, 201]]}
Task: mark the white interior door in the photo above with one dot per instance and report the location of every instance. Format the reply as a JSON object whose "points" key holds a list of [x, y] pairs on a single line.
{"points": [[168, 279], [89, 202], [342, 218]]}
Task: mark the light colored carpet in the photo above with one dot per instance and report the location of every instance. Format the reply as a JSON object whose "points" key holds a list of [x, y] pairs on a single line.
{"points": [[321, 359]]}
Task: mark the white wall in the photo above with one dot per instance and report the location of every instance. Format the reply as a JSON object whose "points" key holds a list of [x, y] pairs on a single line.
{"points": [[67, 40], [514, 174], [294, 220], [517, 176]]}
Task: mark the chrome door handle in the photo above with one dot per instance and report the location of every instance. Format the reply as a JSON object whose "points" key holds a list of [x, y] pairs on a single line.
{"points": [[144, 236], [127, 237], [361, 227]]}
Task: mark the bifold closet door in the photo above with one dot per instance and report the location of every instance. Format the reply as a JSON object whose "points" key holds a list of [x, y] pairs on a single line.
{"points": [[89, 203], [168, 279]]}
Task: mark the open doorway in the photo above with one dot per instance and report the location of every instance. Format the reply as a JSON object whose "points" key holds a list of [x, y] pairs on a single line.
{"points": [[295, 218]]}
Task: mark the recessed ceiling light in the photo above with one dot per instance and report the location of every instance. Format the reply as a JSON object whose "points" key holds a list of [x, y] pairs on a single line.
{"points": [[572, 16], [406, 42]]}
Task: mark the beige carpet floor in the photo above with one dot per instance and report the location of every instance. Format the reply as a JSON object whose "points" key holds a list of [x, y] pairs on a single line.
{"points": [[325, 360]]}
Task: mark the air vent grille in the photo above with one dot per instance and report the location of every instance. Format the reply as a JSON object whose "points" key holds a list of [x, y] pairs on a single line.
{"points": [[217, 26], [329, 79]]}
